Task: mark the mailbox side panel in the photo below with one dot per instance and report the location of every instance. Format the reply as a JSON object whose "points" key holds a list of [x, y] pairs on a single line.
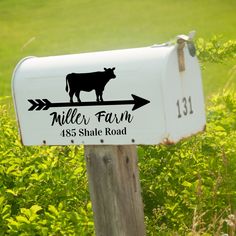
{"points": [[132, 110]]}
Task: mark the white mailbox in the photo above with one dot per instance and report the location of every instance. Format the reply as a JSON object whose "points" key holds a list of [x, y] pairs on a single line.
{"points": [[144, 95]]}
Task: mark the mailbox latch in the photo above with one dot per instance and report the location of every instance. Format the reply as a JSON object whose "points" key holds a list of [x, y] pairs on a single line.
{"points": [[180, 53], [181, 41]]}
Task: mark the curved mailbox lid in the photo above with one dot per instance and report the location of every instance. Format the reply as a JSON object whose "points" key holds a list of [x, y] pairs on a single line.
{"points": [[135, 104]]}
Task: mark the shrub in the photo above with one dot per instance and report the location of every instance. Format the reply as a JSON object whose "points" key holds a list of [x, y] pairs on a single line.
{"points": [[215, 50], [43, 190], [191, 186]]}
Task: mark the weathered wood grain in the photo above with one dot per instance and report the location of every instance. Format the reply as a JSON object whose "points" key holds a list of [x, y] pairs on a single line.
{"points": [[115, 190]]}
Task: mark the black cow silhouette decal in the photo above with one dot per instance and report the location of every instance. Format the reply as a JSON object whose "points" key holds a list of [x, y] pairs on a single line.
{"points": [[88, 82]]}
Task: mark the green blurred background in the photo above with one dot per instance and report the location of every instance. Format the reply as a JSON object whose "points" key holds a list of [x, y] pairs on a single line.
{"points": [[55, 27]]}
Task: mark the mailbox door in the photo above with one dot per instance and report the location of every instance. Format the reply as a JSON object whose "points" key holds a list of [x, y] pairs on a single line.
{"points": [[183, 97]]}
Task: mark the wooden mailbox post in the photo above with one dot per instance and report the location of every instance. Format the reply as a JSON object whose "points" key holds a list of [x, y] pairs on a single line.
{"points": [[144, 95], [115, 190]]}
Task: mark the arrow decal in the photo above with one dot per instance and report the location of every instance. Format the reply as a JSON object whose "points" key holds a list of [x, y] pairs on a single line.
{"points": [[39, 104], [44, 104]]}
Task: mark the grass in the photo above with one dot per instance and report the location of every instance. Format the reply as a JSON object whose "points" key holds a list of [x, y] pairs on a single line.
{"points": [[43, 28]]}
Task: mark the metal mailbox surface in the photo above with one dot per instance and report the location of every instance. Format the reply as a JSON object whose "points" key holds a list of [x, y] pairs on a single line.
{"points": [[129, 96]]}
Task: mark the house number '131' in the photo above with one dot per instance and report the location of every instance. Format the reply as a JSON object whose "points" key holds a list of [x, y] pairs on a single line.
{"points": [[184, 106]]}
